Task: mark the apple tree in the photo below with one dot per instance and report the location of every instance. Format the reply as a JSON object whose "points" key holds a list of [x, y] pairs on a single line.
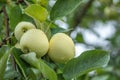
{"points": [[35, 46]]}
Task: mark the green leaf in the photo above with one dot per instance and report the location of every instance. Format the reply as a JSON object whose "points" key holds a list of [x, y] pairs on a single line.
{"points": [[37, 12], [3, 50], [63, 8], [32, 75], [11, 75], [39, 64], [79, 38], [20, 63], [47, 71], [31, 59], [37, 73], [3, 61], [15, 16], [87, 61], [55, 30]]}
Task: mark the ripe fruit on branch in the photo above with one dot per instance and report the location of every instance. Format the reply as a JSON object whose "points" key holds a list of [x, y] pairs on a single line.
{"points": [[21, 28], [62, 48], [34, 40]]}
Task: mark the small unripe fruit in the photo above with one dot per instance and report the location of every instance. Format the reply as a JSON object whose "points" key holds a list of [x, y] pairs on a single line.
{"points": [[34, 40], [21, 28], [62, 48]]}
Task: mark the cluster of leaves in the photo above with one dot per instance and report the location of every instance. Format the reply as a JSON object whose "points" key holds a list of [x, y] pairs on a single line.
{"points": [[16, 65]]}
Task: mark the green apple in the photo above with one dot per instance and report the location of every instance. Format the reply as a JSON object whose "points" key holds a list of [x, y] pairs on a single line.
{"points": [[61, 48], [34, 40], [21, 28]]}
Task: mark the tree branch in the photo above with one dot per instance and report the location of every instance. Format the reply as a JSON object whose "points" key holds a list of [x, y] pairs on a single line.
{"points": [[7, 38], [79, 17], [4, 41], [6, 21]]}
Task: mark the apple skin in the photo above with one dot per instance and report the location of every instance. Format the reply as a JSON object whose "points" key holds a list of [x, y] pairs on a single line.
{"points": [[61, 49], [34, 40], [21, 28]]}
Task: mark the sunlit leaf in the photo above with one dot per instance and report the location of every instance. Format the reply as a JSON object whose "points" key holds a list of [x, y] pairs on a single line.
{"points": [[37, 12]]}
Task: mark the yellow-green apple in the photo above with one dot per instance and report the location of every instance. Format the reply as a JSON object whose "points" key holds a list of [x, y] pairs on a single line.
{"points": [[34, 40], [21, 28], [61, 48]]}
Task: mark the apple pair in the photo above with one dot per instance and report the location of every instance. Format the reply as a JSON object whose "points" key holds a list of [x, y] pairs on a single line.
{"points": [[60, 48]]}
